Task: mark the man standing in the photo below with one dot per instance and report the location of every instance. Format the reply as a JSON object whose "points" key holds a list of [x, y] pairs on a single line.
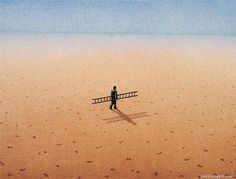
{"points": [[113, 97]]}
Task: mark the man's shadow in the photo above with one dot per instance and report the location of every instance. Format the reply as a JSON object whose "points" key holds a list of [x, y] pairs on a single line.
{"points": [[123, 116]]}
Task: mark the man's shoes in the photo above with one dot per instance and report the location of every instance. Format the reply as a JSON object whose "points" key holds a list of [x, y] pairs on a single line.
{"points": [[114, 107]]}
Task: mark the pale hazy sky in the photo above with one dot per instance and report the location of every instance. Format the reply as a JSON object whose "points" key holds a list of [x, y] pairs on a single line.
{"points": [[116, 17]]}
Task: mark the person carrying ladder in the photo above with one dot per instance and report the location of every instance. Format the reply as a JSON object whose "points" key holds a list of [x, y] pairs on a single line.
{"points": [[113, 97]]}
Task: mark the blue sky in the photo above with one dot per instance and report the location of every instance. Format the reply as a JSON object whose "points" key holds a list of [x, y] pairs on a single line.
{"points": [[119, 17]]}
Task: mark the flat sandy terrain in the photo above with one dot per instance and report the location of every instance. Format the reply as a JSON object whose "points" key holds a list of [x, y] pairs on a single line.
{"points": [[182, 124]]}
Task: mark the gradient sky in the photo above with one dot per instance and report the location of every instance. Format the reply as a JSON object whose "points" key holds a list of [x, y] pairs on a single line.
{"points": [[116, 17]]}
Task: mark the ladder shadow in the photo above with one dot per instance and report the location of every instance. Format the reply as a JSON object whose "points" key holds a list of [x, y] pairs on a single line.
{"points": [[129, 118]]}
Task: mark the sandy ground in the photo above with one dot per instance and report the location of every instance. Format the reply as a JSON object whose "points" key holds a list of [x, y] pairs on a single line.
{"points": [[182, 124]]}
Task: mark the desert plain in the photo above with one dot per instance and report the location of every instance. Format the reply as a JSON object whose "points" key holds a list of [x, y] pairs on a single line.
{"points": [[181, 125]]}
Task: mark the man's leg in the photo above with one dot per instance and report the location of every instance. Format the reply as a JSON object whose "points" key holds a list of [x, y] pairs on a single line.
{"points": [[115, 104], [111, 105]]}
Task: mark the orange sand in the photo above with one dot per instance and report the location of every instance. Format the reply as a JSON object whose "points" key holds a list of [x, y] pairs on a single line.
{"points": [[182, 124]]}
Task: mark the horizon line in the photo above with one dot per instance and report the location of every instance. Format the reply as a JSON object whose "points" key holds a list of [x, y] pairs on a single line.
{"points": [[111, 33]]}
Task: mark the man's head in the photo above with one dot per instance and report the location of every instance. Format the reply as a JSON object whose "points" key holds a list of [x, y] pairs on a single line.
{"points": [[114, 87]]}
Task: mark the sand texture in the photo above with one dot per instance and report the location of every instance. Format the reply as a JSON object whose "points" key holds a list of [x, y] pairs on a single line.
{"points": [[182, 124]]}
